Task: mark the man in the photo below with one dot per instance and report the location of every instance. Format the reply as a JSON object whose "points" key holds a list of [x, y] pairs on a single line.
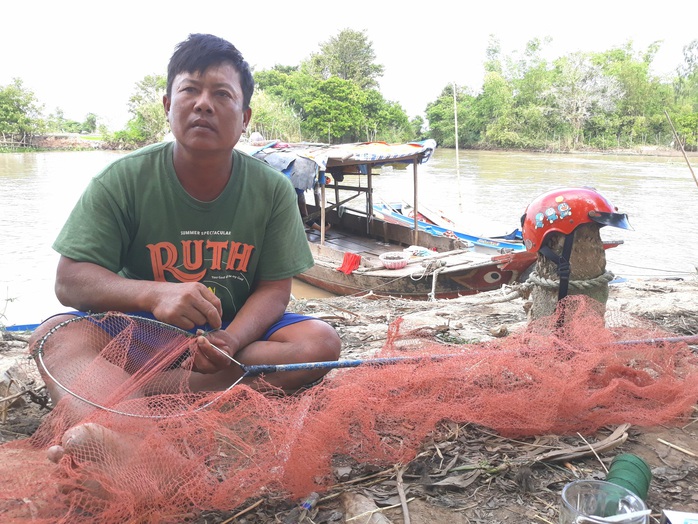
{"points": [[195, 234]]}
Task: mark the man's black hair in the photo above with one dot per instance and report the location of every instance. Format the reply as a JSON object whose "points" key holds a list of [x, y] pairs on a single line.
{"points": [[201, 51]]}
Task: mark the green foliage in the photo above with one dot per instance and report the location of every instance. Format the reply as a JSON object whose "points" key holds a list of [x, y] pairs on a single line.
{"points": [[148, 123], [57, 123], [325, 110], [348, 56], [686, 82], [274, 81], [89, 125], [494, 105], [580, 89], [333, 111], [602, 100], [383, 120], [687, 128], [441, 117], [274, 118], [20, 113], [417, 124], [131, 137]]}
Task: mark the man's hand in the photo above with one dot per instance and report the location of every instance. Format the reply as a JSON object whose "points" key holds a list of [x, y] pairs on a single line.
{"points": [[90, 287], [206, 358], [187, 305]]}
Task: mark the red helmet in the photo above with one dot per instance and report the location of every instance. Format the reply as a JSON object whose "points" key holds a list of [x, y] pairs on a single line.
{"points": [[563, 210]]}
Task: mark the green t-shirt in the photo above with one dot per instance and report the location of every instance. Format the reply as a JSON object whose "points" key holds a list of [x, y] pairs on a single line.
{"points": [[136, 219]]}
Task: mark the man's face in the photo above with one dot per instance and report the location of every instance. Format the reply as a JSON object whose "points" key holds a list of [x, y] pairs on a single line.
{"points": [[205, 109]]}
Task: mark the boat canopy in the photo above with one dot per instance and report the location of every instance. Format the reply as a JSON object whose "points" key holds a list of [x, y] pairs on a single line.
{"points": [[307, 163], [303, 161]]}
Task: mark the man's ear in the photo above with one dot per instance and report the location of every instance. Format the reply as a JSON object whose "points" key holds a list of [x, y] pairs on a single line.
{"points": [[166, 104]]}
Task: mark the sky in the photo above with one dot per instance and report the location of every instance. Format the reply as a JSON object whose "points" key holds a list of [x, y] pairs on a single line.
{"points": [[87, 56]]}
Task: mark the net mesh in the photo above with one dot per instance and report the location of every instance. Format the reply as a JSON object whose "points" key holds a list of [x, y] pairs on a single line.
{"points": [[163, 457]]}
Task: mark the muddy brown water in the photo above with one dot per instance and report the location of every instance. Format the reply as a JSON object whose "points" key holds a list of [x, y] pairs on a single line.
{"points": [[485, 191]]}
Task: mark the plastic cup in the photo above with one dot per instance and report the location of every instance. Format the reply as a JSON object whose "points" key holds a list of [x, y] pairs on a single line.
{"points": [[590, 501]]}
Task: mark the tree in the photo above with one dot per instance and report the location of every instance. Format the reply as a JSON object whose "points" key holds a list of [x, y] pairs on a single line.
{"points": [[348, 56], [687, 129], [20, 113], [274, 81], [274, 118], [146, 107], [333, 112], [149, 122], [580, 89], [494, 108], [529, 76], [441, 118], [329, 110], [686, 83], [383, 120], [493, 63], [55, 121], [418, 127], [89, 125], [639, 112]]}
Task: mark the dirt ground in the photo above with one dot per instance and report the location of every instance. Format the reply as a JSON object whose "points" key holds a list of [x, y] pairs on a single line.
{"points": [[465, 473]]}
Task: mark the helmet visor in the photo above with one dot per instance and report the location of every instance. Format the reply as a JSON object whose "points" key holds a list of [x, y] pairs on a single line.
{"points": [[610, 219]]}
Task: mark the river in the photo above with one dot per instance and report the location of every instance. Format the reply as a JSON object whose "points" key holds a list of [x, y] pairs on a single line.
{"points": [[487, 191]]}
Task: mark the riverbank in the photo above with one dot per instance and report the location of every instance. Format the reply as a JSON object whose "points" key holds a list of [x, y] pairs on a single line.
{"points": [[640, 150], [466, 473], [78, 142]]}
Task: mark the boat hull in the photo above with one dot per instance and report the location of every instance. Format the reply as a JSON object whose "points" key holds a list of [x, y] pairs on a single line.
{"points": [[448, 271]]}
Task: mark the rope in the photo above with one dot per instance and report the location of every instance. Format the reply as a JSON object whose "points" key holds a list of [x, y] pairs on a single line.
{"points": [[429, 267], [522, 289], [432, 295], [434, 267], [601, 280]]}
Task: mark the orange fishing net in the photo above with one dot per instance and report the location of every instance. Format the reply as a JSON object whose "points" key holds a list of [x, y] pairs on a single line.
{"points": [[173, 455]]}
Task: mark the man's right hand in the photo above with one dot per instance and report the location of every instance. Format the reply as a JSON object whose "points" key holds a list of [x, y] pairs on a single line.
{"points": [[90, 287], [187, 305]]}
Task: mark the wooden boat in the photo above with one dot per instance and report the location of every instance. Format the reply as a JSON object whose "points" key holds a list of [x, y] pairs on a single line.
{"points": [[348, 262], [440, 218], [348, 254], [490, 245]]}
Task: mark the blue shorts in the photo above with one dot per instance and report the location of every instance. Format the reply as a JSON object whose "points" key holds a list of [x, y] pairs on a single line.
{"points": [[138, 356], [286, 320]]}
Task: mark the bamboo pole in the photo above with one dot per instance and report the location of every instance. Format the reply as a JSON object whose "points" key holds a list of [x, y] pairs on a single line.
{"points": [[676, 136], [322, 211], [455, 119], [415, 203]]}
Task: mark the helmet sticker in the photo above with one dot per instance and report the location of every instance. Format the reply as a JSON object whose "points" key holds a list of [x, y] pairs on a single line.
{"points": [[564, 209], [539, 220], [551, 215]]}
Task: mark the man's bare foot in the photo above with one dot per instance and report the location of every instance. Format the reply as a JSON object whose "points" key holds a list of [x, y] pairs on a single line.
{"points": [[99, 461], [94, 443], [94, 452]]}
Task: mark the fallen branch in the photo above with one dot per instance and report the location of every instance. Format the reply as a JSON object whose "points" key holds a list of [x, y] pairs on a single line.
{"points": [[401, 493], [615, 439], [674, 446]]}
